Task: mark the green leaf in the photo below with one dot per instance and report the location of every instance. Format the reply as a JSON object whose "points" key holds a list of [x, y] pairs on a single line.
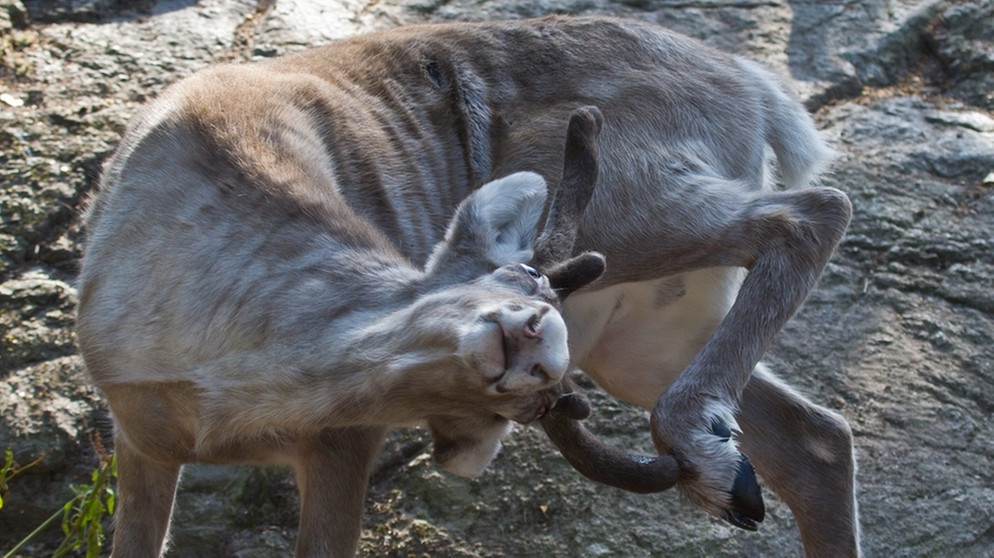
{"points": [[8, 463], [66, 515], [111, 499]]}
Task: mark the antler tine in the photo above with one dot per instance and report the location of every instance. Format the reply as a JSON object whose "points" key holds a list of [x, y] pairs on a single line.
{"points": [[596, 460], [555, 246], [575, 190]]}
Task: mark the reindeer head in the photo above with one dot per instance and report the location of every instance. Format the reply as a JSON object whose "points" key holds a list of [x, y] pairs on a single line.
{"points": [[498, 315], [519, 348]]}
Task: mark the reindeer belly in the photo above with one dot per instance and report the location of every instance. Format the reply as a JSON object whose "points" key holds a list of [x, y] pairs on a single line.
{"points": [[634, 339]]}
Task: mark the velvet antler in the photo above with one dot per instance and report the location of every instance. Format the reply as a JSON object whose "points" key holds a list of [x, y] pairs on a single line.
{"points": [[567, 273]]}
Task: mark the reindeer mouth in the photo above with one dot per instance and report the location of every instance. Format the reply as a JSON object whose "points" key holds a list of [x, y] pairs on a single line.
{"points": [[543, 410], [507, 349], [546, 402], [506, 353], [551, 396]]}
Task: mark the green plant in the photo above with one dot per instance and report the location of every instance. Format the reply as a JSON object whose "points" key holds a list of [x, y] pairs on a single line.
{"points": [[83, 513]]}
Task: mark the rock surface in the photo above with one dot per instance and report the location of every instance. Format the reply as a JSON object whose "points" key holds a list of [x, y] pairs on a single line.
{"points": [[897, 337]]}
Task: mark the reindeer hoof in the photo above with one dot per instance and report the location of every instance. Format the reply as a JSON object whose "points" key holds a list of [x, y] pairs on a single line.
{"points": [[747, 499]]}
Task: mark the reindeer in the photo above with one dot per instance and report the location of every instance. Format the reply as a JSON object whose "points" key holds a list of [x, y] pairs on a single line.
{"points": [[269, 275], [233, 316]]}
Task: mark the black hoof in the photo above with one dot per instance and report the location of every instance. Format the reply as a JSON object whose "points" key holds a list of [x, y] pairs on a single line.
{"points": [[747, 499], [737, 520]]}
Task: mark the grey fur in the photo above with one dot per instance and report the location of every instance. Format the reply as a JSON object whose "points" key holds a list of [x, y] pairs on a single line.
{"points": [[350, 159]]}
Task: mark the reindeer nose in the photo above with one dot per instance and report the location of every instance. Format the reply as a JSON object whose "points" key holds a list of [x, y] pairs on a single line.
{"points": [[535, 343]]}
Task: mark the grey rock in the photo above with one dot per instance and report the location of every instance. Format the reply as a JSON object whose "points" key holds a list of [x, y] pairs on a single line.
{"points": [[896, 337]]}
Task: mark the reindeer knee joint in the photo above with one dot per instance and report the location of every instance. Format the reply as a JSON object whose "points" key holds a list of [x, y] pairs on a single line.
{"points": [[829, 438]]}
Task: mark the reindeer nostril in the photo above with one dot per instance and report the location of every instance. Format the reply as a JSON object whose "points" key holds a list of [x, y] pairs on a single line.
{"points": [[533, 326], [538, 372]]}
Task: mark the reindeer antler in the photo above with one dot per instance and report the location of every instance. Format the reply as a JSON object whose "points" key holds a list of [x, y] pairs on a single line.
{"points": [[554, 248], [598, 461], [575, 189], [585, 452]]}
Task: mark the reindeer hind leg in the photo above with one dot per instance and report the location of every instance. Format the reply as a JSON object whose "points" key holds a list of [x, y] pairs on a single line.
{"points": [[785, 240], [804, 452]]}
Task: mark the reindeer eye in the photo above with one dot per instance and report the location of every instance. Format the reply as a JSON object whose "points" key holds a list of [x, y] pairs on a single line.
{"points": [[531, 271]]}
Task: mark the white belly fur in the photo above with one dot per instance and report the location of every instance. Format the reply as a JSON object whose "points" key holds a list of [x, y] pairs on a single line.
{"points": [[634, 339]]}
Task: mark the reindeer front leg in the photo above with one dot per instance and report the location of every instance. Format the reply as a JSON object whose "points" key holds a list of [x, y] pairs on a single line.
{"points": [[332, 470], [146, 490], [785, 240]]}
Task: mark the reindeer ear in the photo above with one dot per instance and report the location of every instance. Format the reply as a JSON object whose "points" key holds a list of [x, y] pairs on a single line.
{"points": [[575, 273], [510, 209], [494, 226]]}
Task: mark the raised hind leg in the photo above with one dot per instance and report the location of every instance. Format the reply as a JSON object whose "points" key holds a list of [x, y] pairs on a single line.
{"points": [[145, 493], [805, 454], [784, 240]]}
